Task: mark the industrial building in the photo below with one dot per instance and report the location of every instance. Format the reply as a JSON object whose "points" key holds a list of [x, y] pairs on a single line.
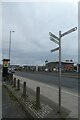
{"points": [[65, 66]]}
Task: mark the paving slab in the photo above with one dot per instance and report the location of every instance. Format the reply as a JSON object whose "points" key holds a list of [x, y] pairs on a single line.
{"points": [[10, 107], [69, 100], [0, 95], [49, 109]]}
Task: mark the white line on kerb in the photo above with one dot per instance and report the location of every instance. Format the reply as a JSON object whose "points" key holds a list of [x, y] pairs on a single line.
{"points": [[53, 88]]}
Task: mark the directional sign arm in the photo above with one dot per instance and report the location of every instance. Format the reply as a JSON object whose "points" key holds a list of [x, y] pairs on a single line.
{"points": [[53, 50], [54, 40], [54, 36], [69, 31]]}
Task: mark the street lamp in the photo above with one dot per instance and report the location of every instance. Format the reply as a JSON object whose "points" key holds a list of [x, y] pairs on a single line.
{"points": [[10, 45], [57, 40]]}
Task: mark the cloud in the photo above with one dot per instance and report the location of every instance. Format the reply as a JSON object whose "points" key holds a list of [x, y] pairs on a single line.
{"points": [[32, 23]]}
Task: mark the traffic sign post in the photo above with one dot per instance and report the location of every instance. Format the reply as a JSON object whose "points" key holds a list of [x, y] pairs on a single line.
{"points": [[54, 40], [57, 40], [59, 71], [54, 36], [53, 50]]}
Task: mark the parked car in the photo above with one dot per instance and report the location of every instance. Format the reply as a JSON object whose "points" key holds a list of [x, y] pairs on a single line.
{"points": [[46, 70], [11, 70]]}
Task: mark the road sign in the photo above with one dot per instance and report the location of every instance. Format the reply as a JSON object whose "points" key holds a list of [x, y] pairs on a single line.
{"points": [[69, 31], [53, 50], [54, 36], [54, 40], [5, 63]]}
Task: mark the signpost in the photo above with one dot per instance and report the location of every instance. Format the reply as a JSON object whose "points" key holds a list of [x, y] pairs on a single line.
{"points": [[54, 40], [53, 50], [57, 40], [54, 36]]}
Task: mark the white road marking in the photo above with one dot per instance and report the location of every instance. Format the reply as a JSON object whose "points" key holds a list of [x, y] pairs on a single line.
{"points": [[50, 86], [70, 93]]}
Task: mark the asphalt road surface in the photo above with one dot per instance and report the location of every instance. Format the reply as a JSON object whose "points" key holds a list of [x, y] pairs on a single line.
{"points": [[68, 83]]}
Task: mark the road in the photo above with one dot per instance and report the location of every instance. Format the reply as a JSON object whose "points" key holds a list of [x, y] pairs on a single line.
{"points": [[67, 83]]}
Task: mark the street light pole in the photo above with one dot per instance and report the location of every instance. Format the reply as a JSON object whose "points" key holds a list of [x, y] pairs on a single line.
{"points": [[10, 45]]}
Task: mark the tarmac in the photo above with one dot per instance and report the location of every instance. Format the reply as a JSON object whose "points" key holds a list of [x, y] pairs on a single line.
{"points": [[69, 101]]}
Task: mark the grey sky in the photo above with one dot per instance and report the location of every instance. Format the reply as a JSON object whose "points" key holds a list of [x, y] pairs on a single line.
{"points": [[32, 22]]}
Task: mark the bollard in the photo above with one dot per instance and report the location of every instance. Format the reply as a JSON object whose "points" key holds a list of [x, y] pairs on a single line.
{"points": [[14, 82], [37, 97], [10, 78], [24, 89], [18, 84]]}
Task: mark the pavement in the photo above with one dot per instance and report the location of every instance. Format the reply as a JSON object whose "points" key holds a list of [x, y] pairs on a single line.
{"points": [[0, 95], [48, 108], [69, 100], [10, 107]]}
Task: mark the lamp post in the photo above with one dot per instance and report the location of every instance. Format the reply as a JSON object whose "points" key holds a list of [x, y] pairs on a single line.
{"points": [[10, 45], [57, 40]]}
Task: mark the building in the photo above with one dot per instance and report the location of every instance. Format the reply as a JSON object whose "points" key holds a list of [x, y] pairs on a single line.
{"points": [[65, 66], [16, 67], [33, 68]]}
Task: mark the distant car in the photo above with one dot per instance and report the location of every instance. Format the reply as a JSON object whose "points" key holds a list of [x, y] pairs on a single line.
{"points": [[46, 70], [11, 70], [54, 69]]}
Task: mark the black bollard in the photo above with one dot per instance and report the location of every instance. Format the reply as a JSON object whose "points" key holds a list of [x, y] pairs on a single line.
{"points": [[37, 97], [11, 78], [24, 89], [14, 82], [18, 84]]}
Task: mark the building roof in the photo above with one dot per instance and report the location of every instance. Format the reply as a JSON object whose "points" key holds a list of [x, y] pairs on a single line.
{"points": [[6, 60], [61, 62]]}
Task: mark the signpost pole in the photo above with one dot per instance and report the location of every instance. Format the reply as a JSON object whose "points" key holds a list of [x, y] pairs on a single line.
{"points": [[57, 40], [59, 71]]}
